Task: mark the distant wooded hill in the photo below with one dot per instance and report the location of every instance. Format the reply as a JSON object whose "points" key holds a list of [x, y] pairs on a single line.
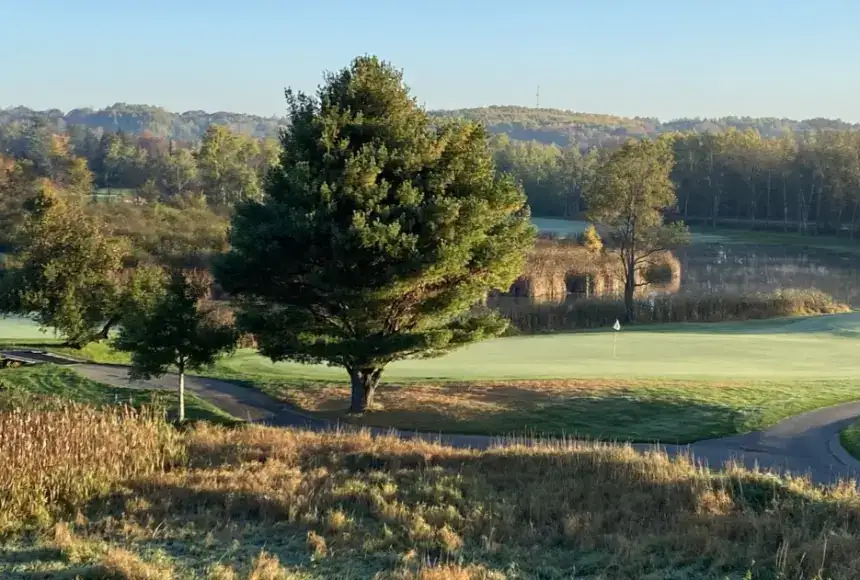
{"points": [[549, 126]]}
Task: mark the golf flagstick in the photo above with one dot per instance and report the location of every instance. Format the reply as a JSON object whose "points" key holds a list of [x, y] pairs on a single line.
{"points": [[616, 327]]}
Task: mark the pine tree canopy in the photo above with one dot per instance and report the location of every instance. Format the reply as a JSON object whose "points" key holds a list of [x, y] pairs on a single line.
{"points": [[378, 233]]}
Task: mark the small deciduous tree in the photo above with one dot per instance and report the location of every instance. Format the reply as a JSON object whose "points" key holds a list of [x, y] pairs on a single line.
{"points": [[175, 330], [591, 240], [378, 233], [628, 196], [68, 273], [224, 164]]}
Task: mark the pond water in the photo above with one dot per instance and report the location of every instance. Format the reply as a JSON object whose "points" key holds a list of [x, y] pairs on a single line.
{"points": [[712, 265], [746, 268]]}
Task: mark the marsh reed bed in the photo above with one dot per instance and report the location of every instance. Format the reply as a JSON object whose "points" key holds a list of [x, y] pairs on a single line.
{"points": [[587, 313]]}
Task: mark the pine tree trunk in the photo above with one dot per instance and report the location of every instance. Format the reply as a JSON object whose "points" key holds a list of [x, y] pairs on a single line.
{"points": [[363, 383], [181, 392]]}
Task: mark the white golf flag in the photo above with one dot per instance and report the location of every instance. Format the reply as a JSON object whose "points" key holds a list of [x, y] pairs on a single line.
{"points": [[617, 325]]}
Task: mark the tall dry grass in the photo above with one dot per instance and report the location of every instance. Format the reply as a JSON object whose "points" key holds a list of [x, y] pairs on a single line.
{"points": [[627, 515], [588, 313], [382, 507], [56, 457]]}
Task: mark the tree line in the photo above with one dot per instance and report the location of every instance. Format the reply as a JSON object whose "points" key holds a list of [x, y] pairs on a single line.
{"points": [[563, 128], [803, 182], [807, 181], [223, 164]]}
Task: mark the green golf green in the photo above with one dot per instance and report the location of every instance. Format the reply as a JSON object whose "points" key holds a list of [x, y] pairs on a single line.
{"points": [[803, 348], [20, 329], [679, 382], [673, 383]]}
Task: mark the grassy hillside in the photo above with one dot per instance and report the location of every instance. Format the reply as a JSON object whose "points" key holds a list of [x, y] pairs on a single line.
{"points": [[132, 499]]}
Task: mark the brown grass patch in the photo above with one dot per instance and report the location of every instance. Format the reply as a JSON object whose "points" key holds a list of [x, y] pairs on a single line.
{"points": [[505, 407], [338, 505], [56, 459], [121, 564]]}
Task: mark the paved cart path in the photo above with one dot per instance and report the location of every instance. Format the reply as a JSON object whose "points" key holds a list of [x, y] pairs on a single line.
{"points": [[807, 443]]}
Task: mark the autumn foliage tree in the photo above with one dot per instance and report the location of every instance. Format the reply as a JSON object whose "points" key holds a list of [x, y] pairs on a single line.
{"points": [[628, 196], [68, 273], [377, 235]]}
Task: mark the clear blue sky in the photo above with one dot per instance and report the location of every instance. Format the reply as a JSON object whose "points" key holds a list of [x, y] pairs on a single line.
{"points": [[665, 58]]}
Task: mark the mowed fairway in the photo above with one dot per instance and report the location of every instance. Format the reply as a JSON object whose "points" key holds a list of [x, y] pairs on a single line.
{"points": [[813, 348], [19, 329], [668, 383]]}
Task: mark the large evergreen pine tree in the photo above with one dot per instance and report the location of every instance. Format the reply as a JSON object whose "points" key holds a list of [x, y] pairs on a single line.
{"points": [[378, 234]]}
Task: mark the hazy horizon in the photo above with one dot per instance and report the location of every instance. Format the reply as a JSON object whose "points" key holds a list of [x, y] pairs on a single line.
{"points": [[214, 112]]}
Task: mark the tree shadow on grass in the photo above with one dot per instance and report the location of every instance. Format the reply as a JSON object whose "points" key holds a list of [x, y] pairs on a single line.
{"points": [[561, 510], [516, 410]]}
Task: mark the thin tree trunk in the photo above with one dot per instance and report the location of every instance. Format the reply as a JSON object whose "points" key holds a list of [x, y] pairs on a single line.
{"points": [[105, 332], [363, 383], [818, 209], [181, 392], [630, 277], [784, 204], [630, 289], [800, 205], [753, 205]]}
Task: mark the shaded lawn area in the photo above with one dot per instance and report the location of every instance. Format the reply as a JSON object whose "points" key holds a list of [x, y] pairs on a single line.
{"points": [[640, 411], [25, 385]]}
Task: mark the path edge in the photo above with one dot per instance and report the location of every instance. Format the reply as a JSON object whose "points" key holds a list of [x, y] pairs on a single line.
{"points": [[838, 451]]}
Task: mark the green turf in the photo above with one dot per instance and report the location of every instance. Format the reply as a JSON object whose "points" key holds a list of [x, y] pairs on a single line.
{"points": [[789, 349], [20, 384], [571, 228], [560, 227], [838, 244], [850, 439], [95, 351], [18, 329]]}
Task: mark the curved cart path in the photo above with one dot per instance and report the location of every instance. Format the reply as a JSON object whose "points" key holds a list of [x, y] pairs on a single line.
{"points": [[807, 443]]}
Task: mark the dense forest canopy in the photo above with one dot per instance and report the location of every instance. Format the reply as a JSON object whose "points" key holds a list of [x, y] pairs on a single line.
{"points": [[762, 172]]}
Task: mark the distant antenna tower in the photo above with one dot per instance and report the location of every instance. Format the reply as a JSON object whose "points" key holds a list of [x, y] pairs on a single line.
{"points": [[537, 98]]}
